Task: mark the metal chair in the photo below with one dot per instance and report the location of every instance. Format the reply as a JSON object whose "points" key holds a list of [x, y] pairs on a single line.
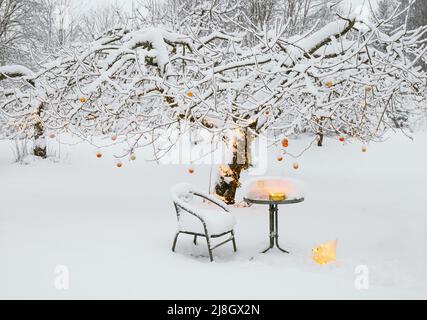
{"points": [[200, 222]]}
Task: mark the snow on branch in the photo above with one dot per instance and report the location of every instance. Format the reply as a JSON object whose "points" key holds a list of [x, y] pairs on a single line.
{"points": [[15, 71], [350, 77]]}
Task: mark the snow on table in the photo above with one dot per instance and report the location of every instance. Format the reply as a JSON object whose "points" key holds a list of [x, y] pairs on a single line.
{"points": [[262, 188]]}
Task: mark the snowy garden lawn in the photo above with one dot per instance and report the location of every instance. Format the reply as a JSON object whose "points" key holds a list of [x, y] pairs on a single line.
{"points": [[113, 228]]}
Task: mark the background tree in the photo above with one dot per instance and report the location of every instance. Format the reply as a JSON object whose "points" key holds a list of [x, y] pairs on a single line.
{"points": [[56, 24], [14, 30], [31, 32], [96, 22]]}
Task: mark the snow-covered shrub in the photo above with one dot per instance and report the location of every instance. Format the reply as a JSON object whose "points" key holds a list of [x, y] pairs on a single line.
{"points": [[21, 104], [20, 150]]}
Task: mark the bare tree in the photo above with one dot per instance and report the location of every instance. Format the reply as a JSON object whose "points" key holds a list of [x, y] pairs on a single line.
{"points": [[260, 12], [100, 20], [301, 15], [55, 24], [14, 29], [418, 14]]}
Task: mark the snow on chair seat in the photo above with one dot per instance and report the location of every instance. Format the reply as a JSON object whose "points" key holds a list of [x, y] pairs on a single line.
{"points": [[201, 222], [217, 222]]}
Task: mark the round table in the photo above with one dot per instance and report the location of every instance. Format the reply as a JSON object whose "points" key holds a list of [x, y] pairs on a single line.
{"points": [[274, 225]]}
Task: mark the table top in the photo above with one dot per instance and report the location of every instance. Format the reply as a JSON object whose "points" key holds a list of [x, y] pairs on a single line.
{"points": [[286, 201]]}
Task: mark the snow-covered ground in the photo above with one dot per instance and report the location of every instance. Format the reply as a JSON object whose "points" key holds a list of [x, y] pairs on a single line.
{"points": [[113, 228]]}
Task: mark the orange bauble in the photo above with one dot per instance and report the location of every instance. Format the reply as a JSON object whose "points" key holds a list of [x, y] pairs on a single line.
{"points": [[364, 149], [190, 170], [119, 165], [280, 158], [83, 99], [295, 166], [189, 94], [99, 155], [329, 84], [285, 143]]}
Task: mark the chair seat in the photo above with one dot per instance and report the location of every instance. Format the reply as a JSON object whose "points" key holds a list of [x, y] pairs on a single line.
{"points": [[217, 222]]}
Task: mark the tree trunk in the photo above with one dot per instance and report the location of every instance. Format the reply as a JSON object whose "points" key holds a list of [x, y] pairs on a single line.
{"points": [[228, 181], [319, 139], [229, 175], [39, 148], [320, 131]]}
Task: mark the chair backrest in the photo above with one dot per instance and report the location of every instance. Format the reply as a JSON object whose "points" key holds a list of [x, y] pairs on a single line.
{"points": [[183, 194]]}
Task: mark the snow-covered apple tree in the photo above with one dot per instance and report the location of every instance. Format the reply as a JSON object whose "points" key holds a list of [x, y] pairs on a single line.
{"points": [[353, 77]]}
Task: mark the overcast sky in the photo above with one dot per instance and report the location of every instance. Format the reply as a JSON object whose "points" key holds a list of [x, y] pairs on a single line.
{"points": [[86, 4], [90, 4]]}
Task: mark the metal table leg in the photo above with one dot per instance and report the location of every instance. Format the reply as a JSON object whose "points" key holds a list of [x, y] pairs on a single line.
{"points": [[271, 226], [277, 231], [274, 228]]}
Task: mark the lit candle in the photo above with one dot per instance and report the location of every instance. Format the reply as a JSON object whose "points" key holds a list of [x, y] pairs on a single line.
{"points": [[277, 196]]}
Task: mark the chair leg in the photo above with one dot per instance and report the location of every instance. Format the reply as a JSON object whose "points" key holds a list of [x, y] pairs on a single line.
{"points": [[209, 247], [195, 240], [174, 241], [234, 241]]}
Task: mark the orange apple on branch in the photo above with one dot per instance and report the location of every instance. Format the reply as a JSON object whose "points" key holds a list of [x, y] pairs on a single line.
{"points": [[329, 84], [285, 142]]}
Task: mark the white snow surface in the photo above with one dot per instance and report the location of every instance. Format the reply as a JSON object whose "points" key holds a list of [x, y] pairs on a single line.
{"points": [[113, 228]]}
